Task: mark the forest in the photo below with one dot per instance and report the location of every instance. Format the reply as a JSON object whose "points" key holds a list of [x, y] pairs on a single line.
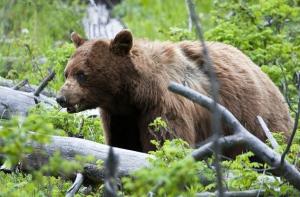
{"points": [[46, 151]]}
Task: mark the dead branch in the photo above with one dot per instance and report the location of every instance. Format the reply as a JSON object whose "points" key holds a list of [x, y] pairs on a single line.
{"points": [[25, 88], [268, 133], [249, 193], [111, 175], [76, 185], [44, 83], [21, 84], [260, 149], [294, 129], [225, 142], [216, 123]]}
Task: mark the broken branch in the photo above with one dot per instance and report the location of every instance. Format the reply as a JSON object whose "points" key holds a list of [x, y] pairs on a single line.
{"points": [[249, 193], [21, 84], [267, 132], [294, 130], [44, 83], [216, 122], [76, 185], [260, 149]]}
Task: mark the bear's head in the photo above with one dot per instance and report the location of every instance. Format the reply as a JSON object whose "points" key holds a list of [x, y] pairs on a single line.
{"points": [[94, 74]]}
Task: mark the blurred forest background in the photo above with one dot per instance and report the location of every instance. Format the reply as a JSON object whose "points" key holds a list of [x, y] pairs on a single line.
{"points": [[35, 38]]}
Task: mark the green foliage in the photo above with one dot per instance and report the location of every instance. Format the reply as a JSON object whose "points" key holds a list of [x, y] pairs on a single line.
{"points": [[158, 124], [160, 19], [171, 173], [91, 128], [17, 184], [267, 31], [31, 28], [242, 172], [16, 133], [57, 60]]}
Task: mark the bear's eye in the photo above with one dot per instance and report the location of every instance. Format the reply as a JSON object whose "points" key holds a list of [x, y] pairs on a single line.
{"points": [[81, 77]]}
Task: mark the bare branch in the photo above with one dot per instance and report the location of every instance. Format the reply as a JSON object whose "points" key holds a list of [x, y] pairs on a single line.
{"points": [[76, 185], [21, 84], [249, 193], [44, 83], [294, 130], [260, 149], [225, 142], [216, 126], [26, 88], [111, 169], [267, 132]]}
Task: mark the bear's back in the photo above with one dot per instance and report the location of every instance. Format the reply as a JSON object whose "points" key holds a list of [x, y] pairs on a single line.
{"points": [[244, 89]]}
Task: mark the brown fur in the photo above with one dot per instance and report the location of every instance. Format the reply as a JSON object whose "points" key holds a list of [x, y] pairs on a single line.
{"points": [[129, 81]]}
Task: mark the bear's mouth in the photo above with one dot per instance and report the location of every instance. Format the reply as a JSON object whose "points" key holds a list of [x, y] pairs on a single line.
{"points": [[75, 108]]}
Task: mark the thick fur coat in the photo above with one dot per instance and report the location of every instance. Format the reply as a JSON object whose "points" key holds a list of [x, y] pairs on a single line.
{"points": [[128, 80]]}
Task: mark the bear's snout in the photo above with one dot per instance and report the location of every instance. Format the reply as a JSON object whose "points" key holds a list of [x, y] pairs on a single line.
{"points": [[62, 101]]}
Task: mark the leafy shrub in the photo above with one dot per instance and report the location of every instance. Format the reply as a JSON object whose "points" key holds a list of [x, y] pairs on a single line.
{"points": [[264, 30], [168, 174], [91, 128], [30, 29], [18, 184]]}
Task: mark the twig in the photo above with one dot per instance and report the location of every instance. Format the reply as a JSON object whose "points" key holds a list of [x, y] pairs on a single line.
{"points": [[267, 132], [27, 88], [76, 185], [44, 83], [21, 84], [225, 142], [285, 88], [216, 126], [111, 165], [7, 167], [249, 193], [260, 149], [293, 132]]}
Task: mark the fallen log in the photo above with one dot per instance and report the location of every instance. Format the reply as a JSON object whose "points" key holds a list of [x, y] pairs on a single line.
{"points": [[26, 88], [14, 102], [69, 147]]}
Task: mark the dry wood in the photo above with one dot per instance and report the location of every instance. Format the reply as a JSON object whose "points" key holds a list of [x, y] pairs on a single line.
{"points": [[267, 132], [249, 193], [215, 121], [260, 149], [25, 88], [14, 102], [76, 185], [69, 147]]}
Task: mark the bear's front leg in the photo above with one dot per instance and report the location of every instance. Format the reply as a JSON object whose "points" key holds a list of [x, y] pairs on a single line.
{"points": [[121, 131], [176, 128]]}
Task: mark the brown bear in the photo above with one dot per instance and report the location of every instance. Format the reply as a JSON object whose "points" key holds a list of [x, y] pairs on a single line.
{"points": [[129, 81]]}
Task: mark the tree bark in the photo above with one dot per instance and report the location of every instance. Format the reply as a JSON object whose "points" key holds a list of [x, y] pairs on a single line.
{"points": [[69, 147], [14, 102]]}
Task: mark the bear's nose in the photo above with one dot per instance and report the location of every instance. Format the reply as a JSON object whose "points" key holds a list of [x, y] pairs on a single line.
{"points": [[62, 101]]}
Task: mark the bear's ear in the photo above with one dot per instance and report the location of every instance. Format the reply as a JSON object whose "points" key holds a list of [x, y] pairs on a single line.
{"points": [[122, 43], [76, 39]]}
